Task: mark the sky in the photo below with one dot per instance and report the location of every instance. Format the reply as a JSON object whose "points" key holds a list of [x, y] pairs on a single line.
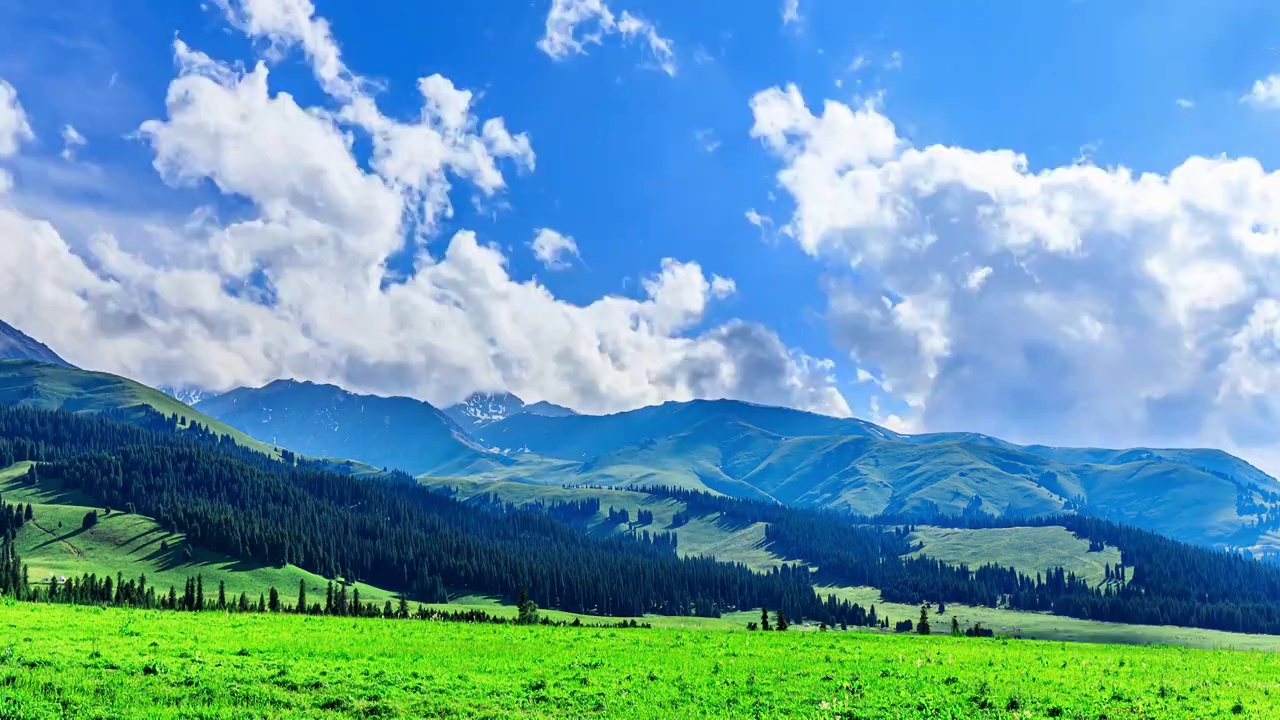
{"points": [[1054, 222]]}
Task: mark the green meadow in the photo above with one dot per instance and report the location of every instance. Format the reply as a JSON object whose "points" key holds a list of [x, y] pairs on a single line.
{"points": [[66, 661]]}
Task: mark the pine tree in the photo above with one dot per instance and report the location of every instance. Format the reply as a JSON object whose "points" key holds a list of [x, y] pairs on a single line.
{"points": [[955, 626], [782, 620], [922, 627], [243, 605], [222, 595], [274, 603], [301, 607], [200, 591], [328, 599], [764, 620]]}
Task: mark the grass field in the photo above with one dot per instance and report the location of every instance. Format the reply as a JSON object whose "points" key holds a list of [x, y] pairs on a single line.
{"points": [[62, 661], [56, 544], [1030, 549]]}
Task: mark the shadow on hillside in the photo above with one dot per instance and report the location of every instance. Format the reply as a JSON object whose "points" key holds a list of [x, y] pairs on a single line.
{"points": [[59, 538], [147, 538], [175, 557], [44, 493], [729, 524]]}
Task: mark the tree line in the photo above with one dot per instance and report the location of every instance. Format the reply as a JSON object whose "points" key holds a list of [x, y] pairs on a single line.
{"points": [[1158, 581], [395, 535]]}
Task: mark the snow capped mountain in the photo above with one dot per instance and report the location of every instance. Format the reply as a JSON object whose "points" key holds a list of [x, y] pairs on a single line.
{"points": [[187, 394], [482, 409]]}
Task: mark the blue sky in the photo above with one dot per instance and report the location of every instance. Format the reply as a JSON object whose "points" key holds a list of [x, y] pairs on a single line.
{"points": [[640, 163]]}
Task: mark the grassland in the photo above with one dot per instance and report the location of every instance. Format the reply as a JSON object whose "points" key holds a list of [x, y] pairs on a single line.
{"points": [[61, 661], [1030, 549], [56, 544]]}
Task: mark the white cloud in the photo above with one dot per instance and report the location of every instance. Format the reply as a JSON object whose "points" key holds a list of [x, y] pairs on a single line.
{"points": [[553, 250], [1185, 103], [297, 282], [1265, 93], [14, 128], [722, 287], [1115, 308], [894, 62], [573, 24], [977, 276], [71, 141], [790, 11]]}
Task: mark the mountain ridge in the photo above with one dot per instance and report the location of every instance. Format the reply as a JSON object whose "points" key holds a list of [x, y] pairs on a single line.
{"points": [[327, 421], [17, 345]]}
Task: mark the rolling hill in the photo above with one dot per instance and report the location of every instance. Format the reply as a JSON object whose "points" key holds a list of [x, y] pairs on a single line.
{"points": [[54, 386], [1203, 496], [325, 421]]}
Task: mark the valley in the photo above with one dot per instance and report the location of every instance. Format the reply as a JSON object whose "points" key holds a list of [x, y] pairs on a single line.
{"points": [[723, 482]]}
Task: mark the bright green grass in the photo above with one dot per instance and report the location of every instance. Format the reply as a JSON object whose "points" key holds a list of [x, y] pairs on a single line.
{"points": [[60, 661], [56, 544], [25, 382], [1029, 549], [1056, 627]]}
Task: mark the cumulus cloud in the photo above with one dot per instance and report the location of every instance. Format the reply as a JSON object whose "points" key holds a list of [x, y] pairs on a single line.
{"points": [[1185, 103], [297, 282], [572, 25], [1265, 93], [553, 250], [14, 127], [1114, 307]]}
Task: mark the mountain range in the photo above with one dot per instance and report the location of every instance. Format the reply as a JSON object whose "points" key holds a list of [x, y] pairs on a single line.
{"points": [[326, 421], [738, 449]]}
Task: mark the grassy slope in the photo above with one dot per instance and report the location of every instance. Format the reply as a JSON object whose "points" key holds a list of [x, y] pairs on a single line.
{"points": [[56, 544], [1025, 548], [61, 661], [23, 382], [701, 536], [809, 461], [1030, 549], [1055, 627]]}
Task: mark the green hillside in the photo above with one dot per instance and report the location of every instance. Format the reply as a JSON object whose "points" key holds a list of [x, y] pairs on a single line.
{"points": [[1205, 497], [1030, 549], [55, 544], [49, 386]]}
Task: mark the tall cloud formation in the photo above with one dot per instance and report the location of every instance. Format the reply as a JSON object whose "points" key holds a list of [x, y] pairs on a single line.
{"points": [[1074, 304], [300, 283]]}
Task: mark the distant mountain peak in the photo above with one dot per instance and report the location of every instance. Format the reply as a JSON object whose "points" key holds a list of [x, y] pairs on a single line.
{"points": [[17, 345], [484, 408], [187, 394]]}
